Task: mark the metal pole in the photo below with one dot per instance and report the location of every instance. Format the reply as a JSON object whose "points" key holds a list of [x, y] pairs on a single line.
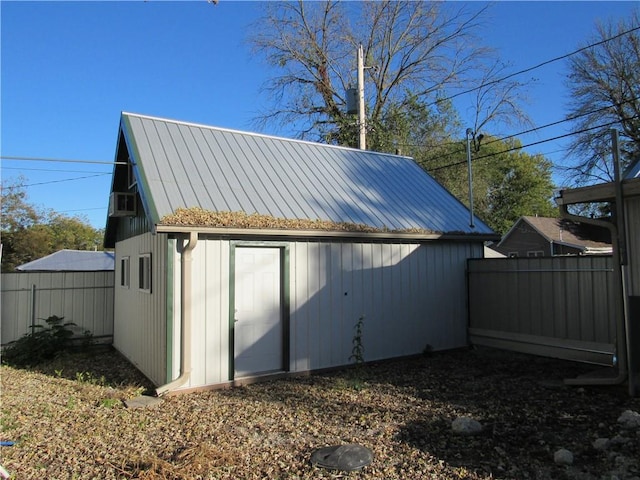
{"points": [[361, 114], [622, 259], [33, 309], [469, 135]]}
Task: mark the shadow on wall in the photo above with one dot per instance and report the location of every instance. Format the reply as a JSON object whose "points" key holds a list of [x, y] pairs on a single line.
{"points": [[411, 298]]}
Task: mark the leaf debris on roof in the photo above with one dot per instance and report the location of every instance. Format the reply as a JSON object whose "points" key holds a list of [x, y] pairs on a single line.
{"points": [[199, 217]]}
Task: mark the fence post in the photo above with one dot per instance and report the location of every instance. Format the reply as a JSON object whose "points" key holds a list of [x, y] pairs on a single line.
{"points": [[33, 309]]}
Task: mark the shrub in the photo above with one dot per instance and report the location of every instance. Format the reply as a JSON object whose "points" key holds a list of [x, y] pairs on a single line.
{"points": [[43, 343]]}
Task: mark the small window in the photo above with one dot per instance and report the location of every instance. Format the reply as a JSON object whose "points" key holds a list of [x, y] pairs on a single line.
{"points": [[535, 253], [124, 272], [144, 272]]}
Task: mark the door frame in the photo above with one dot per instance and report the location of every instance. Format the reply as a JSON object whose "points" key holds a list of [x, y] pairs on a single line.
{"points": [[283, 248]]}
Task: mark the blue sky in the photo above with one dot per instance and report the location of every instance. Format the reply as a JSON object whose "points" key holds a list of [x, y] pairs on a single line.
{"points": [[69, 68]]}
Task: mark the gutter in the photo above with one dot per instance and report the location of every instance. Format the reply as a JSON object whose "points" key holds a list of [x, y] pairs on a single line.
{"points": [[322, 234], [621, 326], [185, 318]]}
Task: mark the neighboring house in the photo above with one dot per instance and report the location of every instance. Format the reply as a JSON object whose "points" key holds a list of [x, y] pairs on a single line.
{"points": [[71, 261], [547, 237], [626, 229], [292, 243]]}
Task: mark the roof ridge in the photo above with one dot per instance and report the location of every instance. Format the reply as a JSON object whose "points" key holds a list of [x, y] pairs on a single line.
{"points": [[263, 135]]}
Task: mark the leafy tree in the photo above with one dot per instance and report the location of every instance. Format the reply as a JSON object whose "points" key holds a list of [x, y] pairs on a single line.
{"points": [[414, 52], [29, 233], [604, 83], [507, 182]]}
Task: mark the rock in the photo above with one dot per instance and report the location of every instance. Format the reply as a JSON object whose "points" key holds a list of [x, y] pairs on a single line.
{"points": [[466, 426], [563, 457], [342, 457], [629, 419], [601, 443], [619, 440]]}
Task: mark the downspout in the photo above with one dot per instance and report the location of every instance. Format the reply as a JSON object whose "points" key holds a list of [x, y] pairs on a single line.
{"points": [[621, 343], [185, 318]]}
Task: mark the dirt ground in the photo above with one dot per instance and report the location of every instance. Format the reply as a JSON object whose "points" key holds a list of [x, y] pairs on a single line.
{"points": [[67, 420]]}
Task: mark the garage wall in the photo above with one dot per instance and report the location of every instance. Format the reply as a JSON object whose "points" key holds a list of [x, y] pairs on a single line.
{"points": [[411, 296]]}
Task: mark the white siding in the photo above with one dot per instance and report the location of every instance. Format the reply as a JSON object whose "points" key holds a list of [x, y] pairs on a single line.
{"points": [[140, 322], [411, 296]]}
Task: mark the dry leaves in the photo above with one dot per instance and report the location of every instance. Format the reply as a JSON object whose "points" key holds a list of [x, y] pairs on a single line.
{"points": [[68, 421], [198, 217]]}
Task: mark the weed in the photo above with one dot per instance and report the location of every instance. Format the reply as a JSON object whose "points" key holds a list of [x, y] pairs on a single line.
{"points": [[87, 377], [357, 349], [357, 355], [109, 402], [43, 343]]}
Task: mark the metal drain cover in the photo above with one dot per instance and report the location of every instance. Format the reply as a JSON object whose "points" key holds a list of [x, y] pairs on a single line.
{"points": [[342, 457]]}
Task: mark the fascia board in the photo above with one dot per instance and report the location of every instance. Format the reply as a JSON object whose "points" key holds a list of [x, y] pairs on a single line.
{"points": [[323, 234], [138, 170]]}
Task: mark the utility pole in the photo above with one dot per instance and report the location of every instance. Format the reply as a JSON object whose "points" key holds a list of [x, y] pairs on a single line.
{"points": [[469, 136], [362, 127]]}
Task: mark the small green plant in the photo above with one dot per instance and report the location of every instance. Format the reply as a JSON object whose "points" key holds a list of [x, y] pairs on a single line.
{"points": [[88, 377], [43, 343], [357, 354], [357, 348], [110, 402]]}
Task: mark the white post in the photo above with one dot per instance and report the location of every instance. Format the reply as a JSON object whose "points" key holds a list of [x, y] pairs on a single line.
{"points": [[361, 114]]}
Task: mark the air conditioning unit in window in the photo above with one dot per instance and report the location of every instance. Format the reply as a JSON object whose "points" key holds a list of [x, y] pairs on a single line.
{"points": [[122, 204]]}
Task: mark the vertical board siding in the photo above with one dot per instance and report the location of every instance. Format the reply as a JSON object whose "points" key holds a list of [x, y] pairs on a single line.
{"points": [[559, 298], [140, 323], [632, 213], [84, 298], [411, 296]]}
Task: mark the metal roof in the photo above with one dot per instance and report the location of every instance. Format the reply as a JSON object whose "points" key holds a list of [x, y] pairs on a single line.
{"points": [[71, 261], [182, 165]]}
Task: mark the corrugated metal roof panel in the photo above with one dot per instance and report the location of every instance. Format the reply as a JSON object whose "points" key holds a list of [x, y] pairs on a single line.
{"points": [[187, 165], [71, 261]]}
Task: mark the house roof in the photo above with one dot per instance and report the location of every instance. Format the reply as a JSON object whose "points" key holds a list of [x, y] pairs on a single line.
{"points": [[71, 261], [566, 232], [184, 165]]}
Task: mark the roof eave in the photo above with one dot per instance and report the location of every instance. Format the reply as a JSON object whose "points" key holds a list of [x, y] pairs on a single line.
{"points": [[323, 234]]}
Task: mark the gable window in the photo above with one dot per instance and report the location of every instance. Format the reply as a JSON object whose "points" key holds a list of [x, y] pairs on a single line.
{"points": [[144, 272], [124, 272]]}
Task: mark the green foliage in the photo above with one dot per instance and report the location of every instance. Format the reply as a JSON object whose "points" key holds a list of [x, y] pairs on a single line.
{"points": [[29, 233], [507, 182], [357, 355], [357, 349], [42, 343]]}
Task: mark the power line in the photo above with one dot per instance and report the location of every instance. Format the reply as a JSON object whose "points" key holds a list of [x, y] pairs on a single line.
{"points": [[489, 155], [61, 160], [57, 181], [529, 69], [50, 170]]}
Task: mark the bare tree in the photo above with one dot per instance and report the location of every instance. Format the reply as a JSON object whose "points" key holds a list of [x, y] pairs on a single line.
{"points": [[414, 52], [604, 82]]}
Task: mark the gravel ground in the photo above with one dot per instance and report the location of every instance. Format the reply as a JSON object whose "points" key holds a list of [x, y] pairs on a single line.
{"points": [[68, 421]]}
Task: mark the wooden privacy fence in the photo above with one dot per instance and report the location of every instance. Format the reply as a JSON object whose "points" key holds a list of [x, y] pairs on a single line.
{"points": [[563, 307], [84, 298]]}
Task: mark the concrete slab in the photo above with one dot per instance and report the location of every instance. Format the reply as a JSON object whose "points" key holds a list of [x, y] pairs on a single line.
{"points": [[142, 401]]}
